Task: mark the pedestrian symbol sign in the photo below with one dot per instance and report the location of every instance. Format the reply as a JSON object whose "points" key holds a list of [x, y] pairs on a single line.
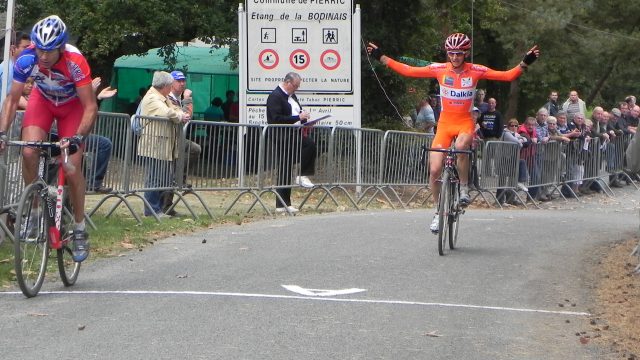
{"points": [[329, 36]]}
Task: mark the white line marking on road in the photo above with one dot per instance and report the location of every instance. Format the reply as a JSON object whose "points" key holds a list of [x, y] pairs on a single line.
{"points": [[320, 292], [270, 296]]}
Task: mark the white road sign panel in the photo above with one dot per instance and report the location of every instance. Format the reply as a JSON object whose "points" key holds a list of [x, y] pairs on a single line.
{"points": [[314, 35]]}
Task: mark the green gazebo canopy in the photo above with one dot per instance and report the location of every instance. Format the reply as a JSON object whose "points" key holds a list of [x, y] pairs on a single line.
{"points": [[208, 75]]}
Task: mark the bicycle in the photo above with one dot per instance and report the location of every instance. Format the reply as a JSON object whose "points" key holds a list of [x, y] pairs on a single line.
{"points": [[44, 221], [449, 206]]}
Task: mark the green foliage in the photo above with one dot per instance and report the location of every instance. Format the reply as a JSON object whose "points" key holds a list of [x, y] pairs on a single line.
{"points": [[590, 46], [107, 29]]}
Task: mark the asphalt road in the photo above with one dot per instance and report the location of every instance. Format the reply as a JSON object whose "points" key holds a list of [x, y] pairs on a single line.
{"points": [[370, 285]]}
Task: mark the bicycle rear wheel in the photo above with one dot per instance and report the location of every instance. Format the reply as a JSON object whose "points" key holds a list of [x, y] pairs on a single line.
{"points": [[31, 243], [444, 206], [68, 268]]}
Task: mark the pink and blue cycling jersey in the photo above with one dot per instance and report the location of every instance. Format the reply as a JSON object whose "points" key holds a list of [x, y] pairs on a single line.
{"points": [[57, 84]]}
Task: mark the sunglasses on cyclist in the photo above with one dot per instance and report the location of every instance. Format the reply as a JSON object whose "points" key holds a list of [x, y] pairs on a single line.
{"points": [[455, 52]]}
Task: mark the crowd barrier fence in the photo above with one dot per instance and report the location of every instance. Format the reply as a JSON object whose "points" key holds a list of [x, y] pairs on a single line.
{"points": [[363, 165]]}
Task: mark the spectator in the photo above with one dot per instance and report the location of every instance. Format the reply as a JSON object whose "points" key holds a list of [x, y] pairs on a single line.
{"points": [[283, 108], [510, 134], [99, 147], [554, 134], [599, 125], [214, 112], [479, 101], [606, 126], [576, 154], [434, 101], [562, 125], [181, 100], [230, 107], [574, 105], [552, 104], [158, 141], [624, 118], [18, 44], [133, 107], [615, 121], [541, 125], [491, 121], [633, 119], [425, 118], [532, 157], [477, 134], [26, 92]]}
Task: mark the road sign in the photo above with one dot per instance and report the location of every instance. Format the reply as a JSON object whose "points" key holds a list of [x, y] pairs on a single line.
{"points": [[299, 59], [330, 59], [268, 59], [315, 35]]}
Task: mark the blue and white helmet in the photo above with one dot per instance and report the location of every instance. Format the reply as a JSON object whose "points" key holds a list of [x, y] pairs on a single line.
{"points": [[49, 33]]}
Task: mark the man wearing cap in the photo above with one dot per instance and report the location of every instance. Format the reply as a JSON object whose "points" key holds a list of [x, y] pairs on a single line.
{"points": [[158, 140], [181, 99]]}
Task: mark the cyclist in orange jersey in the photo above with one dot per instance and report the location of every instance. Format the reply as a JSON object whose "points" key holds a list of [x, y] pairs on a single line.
{"points": [[458, 80]]}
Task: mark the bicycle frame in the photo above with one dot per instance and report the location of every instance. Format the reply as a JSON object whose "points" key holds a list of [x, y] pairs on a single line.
{"points": [[31, 254], [55, 239]]}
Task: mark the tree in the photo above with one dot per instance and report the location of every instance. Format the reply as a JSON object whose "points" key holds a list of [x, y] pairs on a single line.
{"points": [[107, 29]]}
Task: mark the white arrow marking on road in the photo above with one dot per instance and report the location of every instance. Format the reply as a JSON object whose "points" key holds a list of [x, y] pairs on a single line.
{"points": [[320, 292]]}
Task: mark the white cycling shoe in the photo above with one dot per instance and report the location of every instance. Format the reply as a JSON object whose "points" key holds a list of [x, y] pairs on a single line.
{"points": [[435, 224]]}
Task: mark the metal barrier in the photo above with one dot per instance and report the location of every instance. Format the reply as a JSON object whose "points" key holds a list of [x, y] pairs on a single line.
{"points": [[363, 164], [11, 184], [228, 160], [324, 177], [543, 164], [357, 161], [499, 171], [405, 163]]}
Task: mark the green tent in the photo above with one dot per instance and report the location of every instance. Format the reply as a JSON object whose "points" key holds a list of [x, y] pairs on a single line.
{"points": [[208, 76]]}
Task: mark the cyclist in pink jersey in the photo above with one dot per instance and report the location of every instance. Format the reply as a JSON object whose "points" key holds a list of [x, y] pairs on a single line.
{"points": [[458, 80], [62, 91]]}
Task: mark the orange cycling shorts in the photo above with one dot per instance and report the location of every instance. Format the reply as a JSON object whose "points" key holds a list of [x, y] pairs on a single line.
{"points": [[451, 125]]}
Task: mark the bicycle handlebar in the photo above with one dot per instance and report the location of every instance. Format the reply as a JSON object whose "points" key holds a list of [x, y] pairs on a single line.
{"points": [[448, 151], [56, 150], [36, 144]]}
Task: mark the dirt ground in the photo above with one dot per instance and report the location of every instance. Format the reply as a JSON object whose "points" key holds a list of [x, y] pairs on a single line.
{"points": [[616, 319]]}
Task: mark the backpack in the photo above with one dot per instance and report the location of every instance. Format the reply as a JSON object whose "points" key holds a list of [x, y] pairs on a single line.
{"points": [[136, 123]]}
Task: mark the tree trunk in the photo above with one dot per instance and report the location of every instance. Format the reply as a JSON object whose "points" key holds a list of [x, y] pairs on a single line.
{"points": [[512, 101], [601, 82]]}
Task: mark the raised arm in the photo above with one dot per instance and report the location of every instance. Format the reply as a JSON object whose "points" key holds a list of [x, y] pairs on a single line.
{"points": [[400, 68], [510, 75]]}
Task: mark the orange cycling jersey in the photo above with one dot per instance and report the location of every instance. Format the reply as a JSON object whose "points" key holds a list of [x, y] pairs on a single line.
{"points": [[457, 91]]}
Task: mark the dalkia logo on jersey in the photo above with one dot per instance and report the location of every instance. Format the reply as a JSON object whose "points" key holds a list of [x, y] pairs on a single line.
{"points": [[457, 94]]}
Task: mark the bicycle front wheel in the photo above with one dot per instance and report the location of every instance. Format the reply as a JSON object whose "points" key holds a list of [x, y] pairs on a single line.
{"points": [[31, 243], [68, 268], [454, 215], [444, 206]]}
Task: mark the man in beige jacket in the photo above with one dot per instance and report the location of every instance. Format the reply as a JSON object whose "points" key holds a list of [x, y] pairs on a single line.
{"points": [[158, 143]]}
